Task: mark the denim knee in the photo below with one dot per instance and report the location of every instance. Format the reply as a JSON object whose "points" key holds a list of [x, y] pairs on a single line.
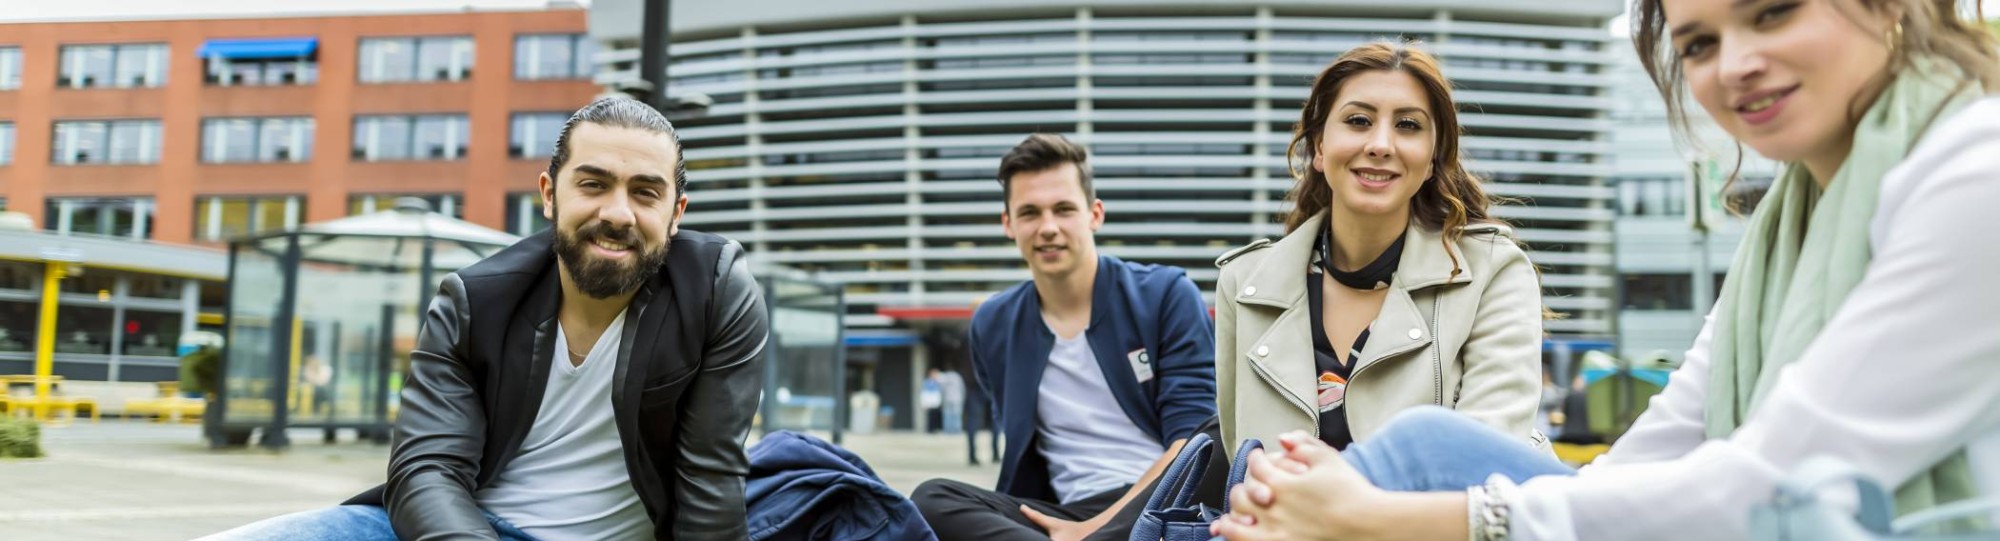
{"points": [[1426, 421]]}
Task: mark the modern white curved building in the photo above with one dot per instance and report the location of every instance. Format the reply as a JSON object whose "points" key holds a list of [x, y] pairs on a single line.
{"points": [[859, 139]]}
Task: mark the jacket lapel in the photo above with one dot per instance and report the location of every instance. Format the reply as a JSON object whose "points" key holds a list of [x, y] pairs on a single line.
{"points": [[1027, 358], [1109, 309], [1402, 326], [1398, 328], [1426, 262], [1286, 359], [1283, 358], [530, 348], [1283, 355], [633, 369]]}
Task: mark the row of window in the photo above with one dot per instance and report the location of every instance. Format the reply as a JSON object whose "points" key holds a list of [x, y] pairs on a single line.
{"points": [[87, 328], [287, 139], [222, 218], [1662, 291], [382, 60], [93, 325]]}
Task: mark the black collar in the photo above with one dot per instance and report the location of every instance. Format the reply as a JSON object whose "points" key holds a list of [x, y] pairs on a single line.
{"points": [[1374, 275]]}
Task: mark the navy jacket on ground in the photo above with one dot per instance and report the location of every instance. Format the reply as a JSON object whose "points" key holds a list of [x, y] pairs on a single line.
{"points": [[1143, 318], [801, 487]]}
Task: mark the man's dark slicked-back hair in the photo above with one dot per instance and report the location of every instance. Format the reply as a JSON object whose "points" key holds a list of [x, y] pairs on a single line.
{"points": [[621, 112]]}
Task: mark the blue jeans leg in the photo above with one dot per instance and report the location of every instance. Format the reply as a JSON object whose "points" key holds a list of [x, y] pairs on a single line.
{"points": [[506, 529], [341, 523], [1432, 449], [350, 522], [954, 417]]}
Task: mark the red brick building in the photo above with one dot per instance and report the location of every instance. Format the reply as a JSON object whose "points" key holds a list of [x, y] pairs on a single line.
{"points": [[191, 131]]}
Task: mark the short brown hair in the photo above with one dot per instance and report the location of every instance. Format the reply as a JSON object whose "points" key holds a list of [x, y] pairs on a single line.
{"points": [[1041, 152]]}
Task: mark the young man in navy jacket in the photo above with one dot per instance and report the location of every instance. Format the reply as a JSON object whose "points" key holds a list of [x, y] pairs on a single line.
{"points": [[1099, 369]]}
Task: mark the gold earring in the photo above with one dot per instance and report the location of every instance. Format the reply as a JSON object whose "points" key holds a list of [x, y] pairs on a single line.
{"points": [[1895, 36]]}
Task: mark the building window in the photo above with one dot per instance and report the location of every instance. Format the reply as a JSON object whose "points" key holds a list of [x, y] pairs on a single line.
{"points": [[1652, 197], [534, 134], [391, 60], [262, 72], [121, 66], [419, 137], [153, 286], [83, 329], [260, 61], [17, 324], [524, 214], [116, 217], [21, 276], [10, 68], [107, 142], [447, 205], [149, 333], [6, 143], [1658, 292], [241, 140], [223, 218], [553, 56]]}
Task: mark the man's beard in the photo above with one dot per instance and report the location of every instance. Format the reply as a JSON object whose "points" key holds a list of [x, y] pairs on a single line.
{"points": [[600, 278]]}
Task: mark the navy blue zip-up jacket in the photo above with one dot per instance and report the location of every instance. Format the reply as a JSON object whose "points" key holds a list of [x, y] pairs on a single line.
{"points": [[801, 487], [1143, 318]]}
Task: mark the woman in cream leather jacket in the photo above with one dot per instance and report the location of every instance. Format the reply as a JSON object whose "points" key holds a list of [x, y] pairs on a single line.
{"points": [[1392, 288]]}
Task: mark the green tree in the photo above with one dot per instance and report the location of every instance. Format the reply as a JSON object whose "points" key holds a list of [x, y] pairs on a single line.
{"points": [[19, 438], [198, 370]]}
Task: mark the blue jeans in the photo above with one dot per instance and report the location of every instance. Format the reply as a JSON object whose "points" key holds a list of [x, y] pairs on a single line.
{"points": [[345, 522], [1432, 449], [954, 417]]}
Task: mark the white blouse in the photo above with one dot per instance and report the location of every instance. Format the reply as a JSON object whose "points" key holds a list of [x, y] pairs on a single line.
{"points": [[1905, 372]]}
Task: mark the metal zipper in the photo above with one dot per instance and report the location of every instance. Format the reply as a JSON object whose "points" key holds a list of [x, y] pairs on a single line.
{"points": [[1437, 349]]}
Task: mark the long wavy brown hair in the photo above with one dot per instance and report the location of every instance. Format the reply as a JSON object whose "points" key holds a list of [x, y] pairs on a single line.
{"points": [[1451, 199]]}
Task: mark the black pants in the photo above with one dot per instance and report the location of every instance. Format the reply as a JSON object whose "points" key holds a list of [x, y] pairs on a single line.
{"points": [[975, 417], [959, 511]]}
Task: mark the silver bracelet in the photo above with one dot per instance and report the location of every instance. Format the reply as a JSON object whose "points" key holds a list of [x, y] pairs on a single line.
{"points": [[1487, 512], [1475, 503]]}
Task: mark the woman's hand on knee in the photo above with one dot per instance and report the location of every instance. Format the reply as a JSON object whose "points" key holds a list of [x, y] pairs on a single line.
{"points": [[1307, 492]]}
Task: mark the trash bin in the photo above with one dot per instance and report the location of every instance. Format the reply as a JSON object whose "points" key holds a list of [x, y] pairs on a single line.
{"points": [[862, 401]]}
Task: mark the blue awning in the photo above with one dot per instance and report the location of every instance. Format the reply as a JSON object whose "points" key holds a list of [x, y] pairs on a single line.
{"points": [[879, 339], [1577, 345], [258, 48]]}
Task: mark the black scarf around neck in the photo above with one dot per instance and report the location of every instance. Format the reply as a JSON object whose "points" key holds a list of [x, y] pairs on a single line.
{"points": [[1374, 275]]}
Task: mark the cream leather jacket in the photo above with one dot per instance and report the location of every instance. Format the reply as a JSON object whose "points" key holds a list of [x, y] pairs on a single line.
{"points": [[1470, 341]]}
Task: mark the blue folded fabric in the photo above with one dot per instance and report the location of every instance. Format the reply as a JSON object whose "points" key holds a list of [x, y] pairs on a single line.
{"points": [[801, 487]]}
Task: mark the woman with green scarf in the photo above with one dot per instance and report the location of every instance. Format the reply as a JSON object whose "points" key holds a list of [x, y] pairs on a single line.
{"points": [[1860, 319]]}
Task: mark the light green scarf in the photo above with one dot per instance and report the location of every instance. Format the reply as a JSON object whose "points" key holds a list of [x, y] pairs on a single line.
{"points": [[1804, 250]]}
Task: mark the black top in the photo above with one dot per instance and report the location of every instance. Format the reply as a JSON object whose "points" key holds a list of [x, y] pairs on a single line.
{"points": [[1333, 373]]}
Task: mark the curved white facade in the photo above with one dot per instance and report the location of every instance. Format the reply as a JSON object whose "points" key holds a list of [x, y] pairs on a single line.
{"points": [[861, 142]]}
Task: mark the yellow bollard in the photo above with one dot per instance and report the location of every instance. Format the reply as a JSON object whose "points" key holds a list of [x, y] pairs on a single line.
{"points": [[45, 336]]}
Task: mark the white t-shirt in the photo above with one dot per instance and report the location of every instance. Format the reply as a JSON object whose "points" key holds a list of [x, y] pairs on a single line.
{"points": [[570, 480], [1091, 446]]}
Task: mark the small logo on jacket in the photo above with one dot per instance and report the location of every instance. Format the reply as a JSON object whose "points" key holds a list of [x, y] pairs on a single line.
{"points": [[1142, 364]]}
